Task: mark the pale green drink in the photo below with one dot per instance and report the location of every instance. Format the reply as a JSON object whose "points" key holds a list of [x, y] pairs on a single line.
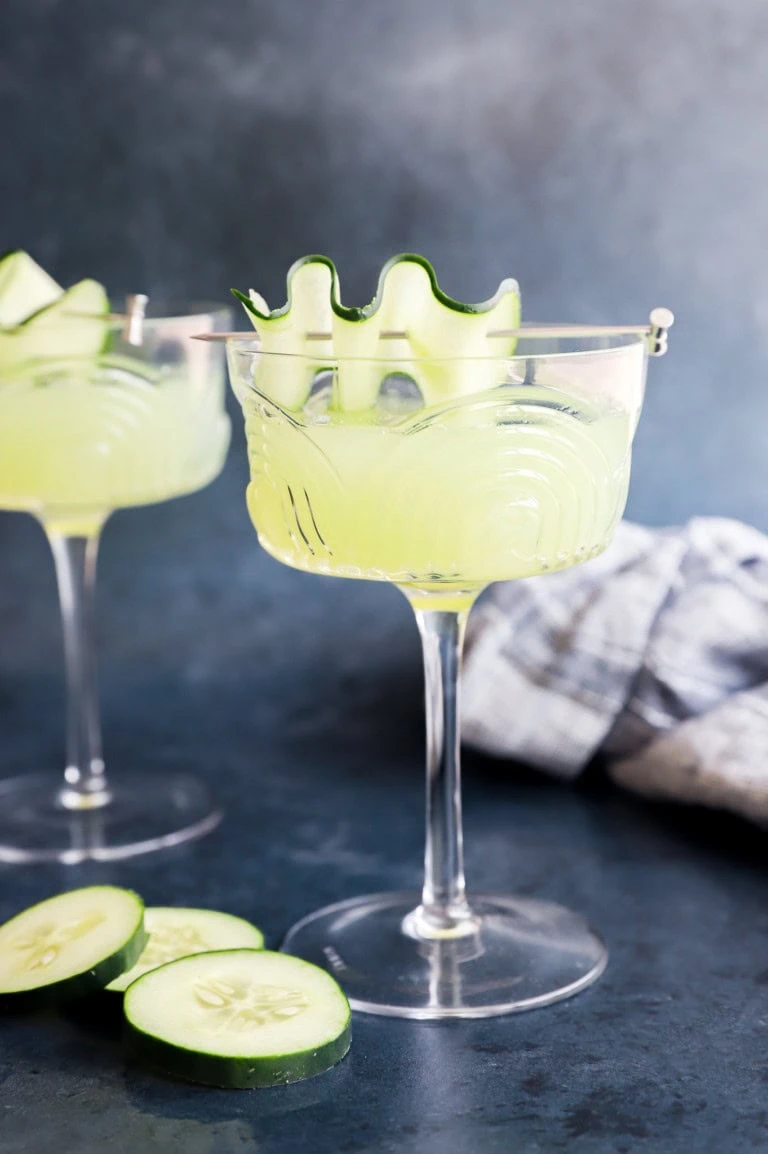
{"points": [[515, 481]]}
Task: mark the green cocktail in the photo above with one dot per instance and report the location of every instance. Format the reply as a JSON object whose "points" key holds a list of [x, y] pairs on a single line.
{"points": [[517, 481], [99, 412], [440, 447]]}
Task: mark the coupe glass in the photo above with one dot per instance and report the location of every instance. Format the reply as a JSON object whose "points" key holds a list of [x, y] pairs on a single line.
{"points": [[523, 471], [140, 420]]}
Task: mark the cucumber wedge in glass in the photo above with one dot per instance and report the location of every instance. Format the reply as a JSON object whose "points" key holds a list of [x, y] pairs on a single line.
{"points": [[69, 945], [175, 932], [25, 288], [238, 1019], [75, 326]]}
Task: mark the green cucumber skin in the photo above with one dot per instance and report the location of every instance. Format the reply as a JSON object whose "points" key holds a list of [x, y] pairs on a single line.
{"points": [[234, 1073], [79, 985], [85, 983], [357, 313], [121, 993]]}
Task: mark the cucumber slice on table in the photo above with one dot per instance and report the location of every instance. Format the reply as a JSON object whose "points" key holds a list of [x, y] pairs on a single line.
{"points": [[238, 1018], [175, 932], [70, 945]]}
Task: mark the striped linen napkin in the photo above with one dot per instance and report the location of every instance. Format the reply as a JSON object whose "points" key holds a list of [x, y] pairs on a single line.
{"points": [[653, 655]]}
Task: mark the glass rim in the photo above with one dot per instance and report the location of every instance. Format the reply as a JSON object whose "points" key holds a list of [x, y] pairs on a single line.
{"points": [[245, 344], [170, 310], [175, 308]]}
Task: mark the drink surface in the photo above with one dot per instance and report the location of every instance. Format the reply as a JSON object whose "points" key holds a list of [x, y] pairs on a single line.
{"points": [[79, 440], [512, 482]]}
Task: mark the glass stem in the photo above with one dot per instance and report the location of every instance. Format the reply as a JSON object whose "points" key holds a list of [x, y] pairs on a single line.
{"points": [[444, 911], [85, 783]]}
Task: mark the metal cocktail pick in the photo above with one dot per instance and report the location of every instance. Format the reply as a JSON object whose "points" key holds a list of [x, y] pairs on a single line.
{"points": [[661, 321]]}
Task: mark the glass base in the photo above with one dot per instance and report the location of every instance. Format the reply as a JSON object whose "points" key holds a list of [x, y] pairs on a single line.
{"points": [[145, 812], [524, 954]]}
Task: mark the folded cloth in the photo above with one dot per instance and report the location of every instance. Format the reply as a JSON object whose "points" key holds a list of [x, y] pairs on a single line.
{"points": [[654, 654]]}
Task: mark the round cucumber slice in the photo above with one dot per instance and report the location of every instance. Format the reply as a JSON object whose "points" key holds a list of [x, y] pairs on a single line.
{"points": [[25, 288], [175, 932], [238, 1019], [70, 945]]}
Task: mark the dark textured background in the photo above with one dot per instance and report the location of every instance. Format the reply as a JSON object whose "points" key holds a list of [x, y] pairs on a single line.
{"points": [[613, 157]]}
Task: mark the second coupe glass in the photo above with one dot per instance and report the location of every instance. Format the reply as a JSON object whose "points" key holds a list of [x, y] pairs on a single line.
{"points": [[140, 420]]}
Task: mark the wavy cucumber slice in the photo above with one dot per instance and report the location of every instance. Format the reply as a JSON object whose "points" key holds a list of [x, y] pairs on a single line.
{"points": [[287, 378], [447, 349], [238, 1018], [175, 932], [25, 288], [74, 326], [70, 945]]}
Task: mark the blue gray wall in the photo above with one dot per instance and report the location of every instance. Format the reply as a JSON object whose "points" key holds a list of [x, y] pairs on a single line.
{"points": [[612, 154]]}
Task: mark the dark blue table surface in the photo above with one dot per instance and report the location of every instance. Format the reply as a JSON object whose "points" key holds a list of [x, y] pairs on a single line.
{"points": [[299, 698]]}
